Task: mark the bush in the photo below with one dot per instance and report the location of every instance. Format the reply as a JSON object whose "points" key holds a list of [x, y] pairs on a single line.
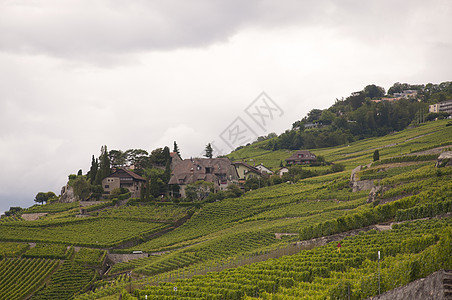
{"points": [[337, 168]]}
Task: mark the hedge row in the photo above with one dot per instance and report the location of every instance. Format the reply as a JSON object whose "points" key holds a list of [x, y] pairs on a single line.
{"points": [[363, 218], [424, 211], [405, 158]]}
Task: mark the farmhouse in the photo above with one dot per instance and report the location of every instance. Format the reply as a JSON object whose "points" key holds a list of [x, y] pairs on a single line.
{"points": [[123, 178], [301, 157], [264, 170], [219, 171], [246, 171]]}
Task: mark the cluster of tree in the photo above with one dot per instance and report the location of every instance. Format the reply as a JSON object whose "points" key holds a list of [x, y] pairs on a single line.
{"points": [[357, 117], [154, 167], [42, 197], [14, 211], [204, 191]]}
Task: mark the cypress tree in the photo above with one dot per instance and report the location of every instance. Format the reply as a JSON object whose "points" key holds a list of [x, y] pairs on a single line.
{"points": [[376, 155], [93, 170], [176, 149], [209, 151], [104, 165]]}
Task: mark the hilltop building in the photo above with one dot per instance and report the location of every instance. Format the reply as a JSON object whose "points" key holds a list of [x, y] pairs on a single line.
{"points": [[301, 157], [123, 178], [445, 106], [220, 171]]}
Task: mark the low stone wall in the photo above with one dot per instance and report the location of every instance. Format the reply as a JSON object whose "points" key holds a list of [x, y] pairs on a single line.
{"points": [[118, 258], [429, 288], [33, 217]]}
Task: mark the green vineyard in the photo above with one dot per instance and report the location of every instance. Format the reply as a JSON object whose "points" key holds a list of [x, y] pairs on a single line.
{"points": [[275, 242], [324, 271], [21, 277]]}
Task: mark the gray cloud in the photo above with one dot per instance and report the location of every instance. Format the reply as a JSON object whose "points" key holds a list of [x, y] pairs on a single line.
{"points": [[101, 30]]}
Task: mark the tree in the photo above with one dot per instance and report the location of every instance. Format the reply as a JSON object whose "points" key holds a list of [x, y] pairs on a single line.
{"points": [[373, 91], [176, 149], [198, 190], [314, 115], [376, 155], [138, 158], [209, 151], [158, 157], [42, 197], [337, 168], [117, 158], [81, 187], [327, 117], [80, 172], [356, 100], [93, 170], [104, 166], [13, 210]]}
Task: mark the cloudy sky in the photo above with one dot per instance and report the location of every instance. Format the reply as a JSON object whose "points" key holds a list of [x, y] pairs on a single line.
{"points": [[75, 75]]}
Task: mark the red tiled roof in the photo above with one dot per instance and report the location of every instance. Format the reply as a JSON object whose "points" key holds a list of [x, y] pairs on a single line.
{"points": [[191, 170], [306, 155], [121, 171]]}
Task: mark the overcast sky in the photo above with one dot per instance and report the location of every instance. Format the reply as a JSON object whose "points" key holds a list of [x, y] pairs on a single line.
{"points": [[76, 75]]}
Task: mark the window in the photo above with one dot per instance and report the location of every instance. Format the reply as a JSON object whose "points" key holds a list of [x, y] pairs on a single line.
{"points": [[107, 186], [208, 170]]}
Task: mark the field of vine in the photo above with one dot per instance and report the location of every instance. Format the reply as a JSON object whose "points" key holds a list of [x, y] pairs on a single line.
{"points": [[424, 137], [237, 239], [324, 271], [168, 213], [70, 279], [20, 277], [54, 251], [83, 233], [52, 207], [11, 249]]}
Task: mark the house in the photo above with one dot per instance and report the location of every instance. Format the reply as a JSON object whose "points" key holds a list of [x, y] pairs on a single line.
{"points": [[387, 99], [312, 125], [445, 106], [301, 157], [123, 178], [264, 170], [406, 94], [246, 171], [283, 171], [219, 171]]}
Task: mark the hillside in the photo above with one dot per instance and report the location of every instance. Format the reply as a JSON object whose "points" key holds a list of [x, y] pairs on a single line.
{"points": [[229, 249]]}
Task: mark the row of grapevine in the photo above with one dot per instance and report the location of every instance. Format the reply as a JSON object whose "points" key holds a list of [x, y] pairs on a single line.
{"points": [[424, 211], [70, 279], [114, 231], [12, 249], [90, 257], [54, 251], [52, 207], [147, 212], [405, 158], [323, 268], [20, 277]]}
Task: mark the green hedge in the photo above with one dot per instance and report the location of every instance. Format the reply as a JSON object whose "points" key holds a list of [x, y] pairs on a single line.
{"points": [[405, 158], [424, 211], [363, 218]]}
